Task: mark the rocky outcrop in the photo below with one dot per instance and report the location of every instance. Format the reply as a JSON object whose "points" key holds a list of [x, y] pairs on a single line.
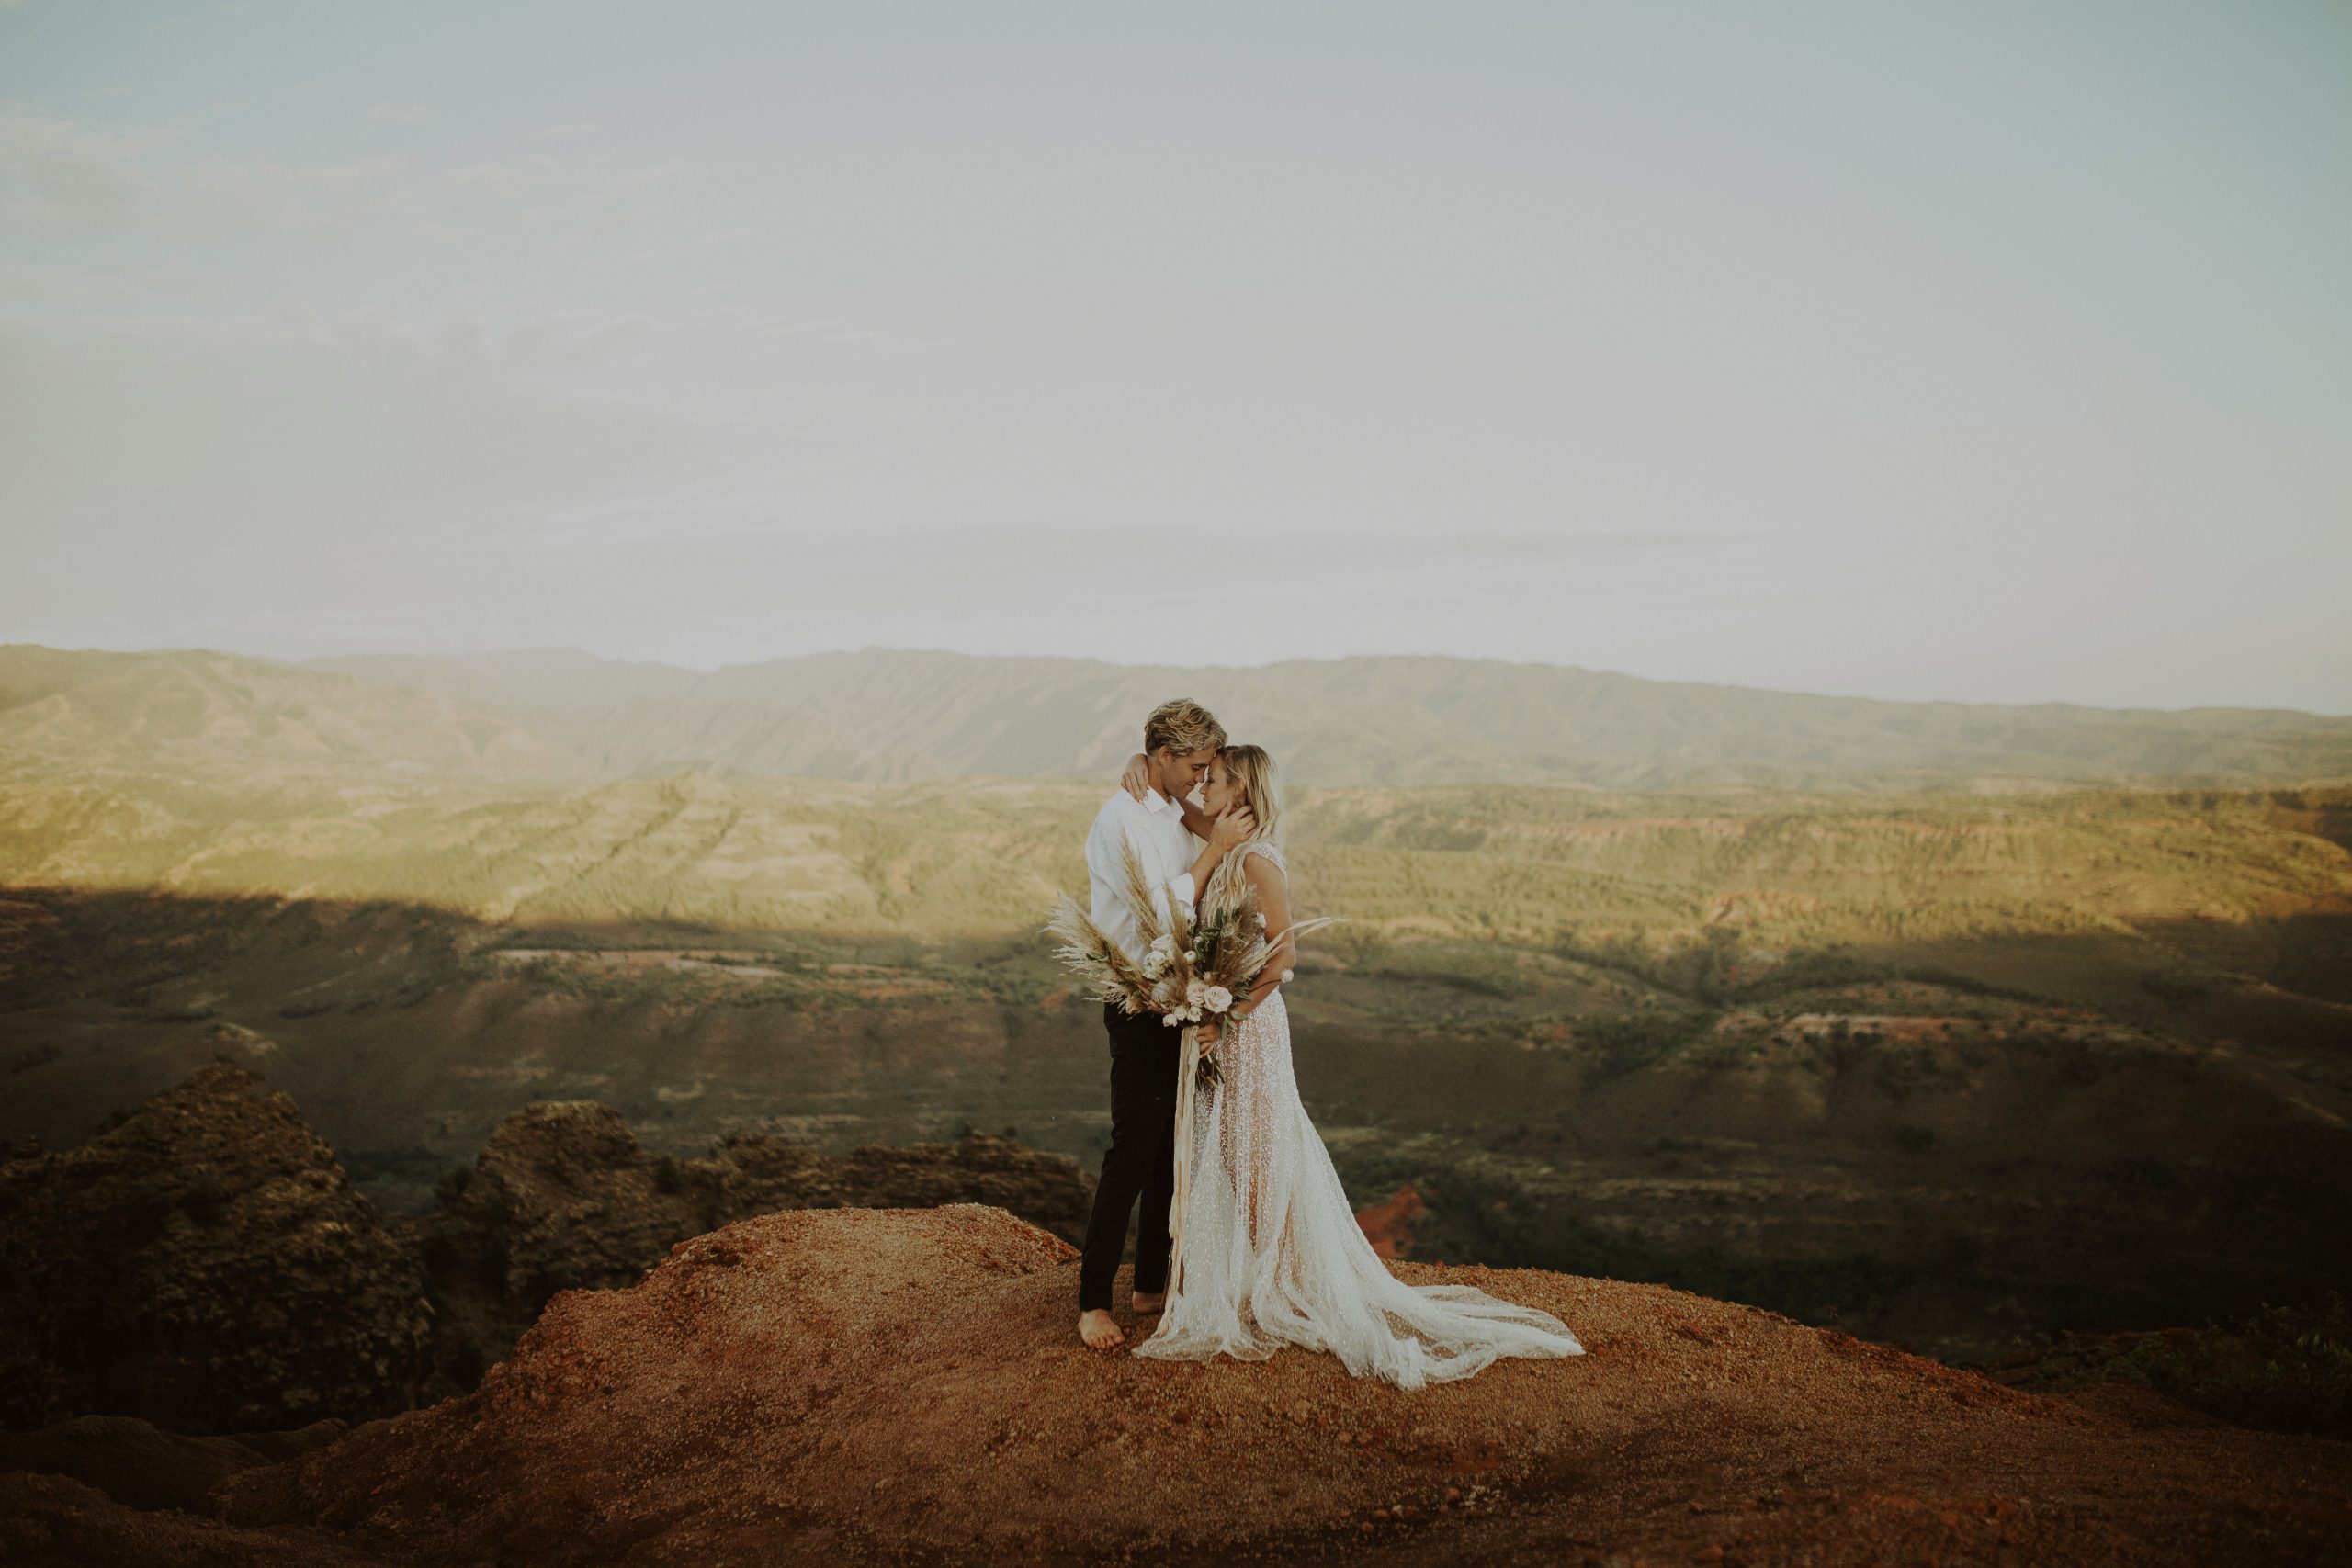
{"points": [[142, 1466], [204, 1265], [901, 1384], [563, 1196], [750, 1173], [54, 1521], [904, 1386]]}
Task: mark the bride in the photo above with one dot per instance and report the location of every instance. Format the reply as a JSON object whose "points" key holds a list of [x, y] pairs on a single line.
{"points": [[1269, 1252]]}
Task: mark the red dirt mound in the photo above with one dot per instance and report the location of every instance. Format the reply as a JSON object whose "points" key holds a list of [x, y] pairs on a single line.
{"points": [[904, 1385]]}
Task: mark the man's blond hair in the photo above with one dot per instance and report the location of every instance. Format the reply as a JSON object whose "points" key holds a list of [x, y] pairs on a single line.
{"points": [[1183, 727]]}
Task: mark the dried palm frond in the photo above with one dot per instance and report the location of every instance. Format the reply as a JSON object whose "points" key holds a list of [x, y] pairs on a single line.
{"points": [[1300, 928], [1138, 891], [1245, 965], [1109, 975], [1179, 929]]}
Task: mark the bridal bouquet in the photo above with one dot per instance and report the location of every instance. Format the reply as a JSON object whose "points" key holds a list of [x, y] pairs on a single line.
{"points": [[1191, 972]]}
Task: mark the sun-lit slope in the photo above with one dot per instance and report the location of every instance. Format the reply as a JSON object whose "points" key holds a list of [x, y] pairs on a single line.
{"points": [[1401, 720], [1534, 868], [790, 855], [1798, 869], [215, 713]]}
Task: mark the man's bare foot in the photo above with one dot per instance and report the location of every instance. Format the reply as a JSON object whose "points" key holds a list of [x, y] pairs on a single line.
{"points": [[1099, 1331], [1146, 1302]]}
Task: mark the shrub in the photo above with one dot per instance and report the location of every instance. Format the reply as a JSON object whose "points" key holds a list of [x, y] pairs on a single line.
{"points": [[206, 1200], [145, 1210], [452, 1184], [494, 1258], [1628, 1042], [2304, 1384], [2174, 989], [2282, 1369]]}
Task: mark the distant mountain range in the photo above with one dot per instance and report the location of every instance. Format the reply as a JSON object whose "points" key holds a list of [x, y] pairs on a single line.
{"points": [[886, 716]]}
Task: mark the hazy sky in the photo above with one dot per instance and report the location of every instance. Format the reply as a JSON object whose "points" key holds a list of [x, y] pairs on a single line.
{"points": [[1992, 352]]}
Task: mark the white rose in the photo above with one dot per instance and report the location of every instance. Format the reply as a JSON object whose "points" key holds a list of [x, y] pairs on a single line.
{"points": [[1287, 974], [1169, 1019], [1192, 958], [1217, 999], [1193, 992]]}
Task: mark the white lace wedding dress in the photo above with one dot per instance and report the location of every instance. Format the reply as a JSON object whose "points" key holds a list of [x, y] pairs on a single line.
{"points": [[1269, 1253]]}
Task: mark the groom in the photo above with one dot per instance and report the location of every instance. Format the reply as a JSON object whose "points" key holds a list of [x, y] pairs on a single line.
{"points": [[1180, 739]]}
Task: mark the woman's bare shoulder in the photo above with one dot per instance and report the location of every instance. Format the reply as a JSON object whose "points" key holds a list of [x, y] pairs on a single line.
{"points": [[1262, 864]]}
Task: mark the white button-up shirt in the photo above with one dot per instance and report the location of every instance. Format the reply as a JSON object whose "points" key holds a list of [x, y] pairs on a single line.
{"points": [[1156, 828]]}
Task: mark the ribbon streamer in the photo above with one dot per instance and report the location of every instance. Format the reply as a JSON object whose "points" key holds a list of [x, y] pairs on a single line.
{"points": [[1187, 1087]]}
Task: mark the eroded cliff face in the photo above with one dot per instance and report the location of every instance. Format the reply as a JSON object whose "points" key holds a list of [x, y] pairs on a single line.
{"points": [[564, 1197], [206, 1266]]}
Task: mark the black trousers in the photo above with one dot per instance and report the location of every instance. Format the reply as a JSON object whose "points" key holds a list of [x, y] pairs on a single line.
{"points": [[1146, 1056]]}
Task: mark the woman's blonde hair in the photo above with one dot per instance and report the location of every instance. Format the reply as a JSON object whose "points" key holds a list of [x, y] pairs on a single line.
{"points": [[1253, 771]]}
